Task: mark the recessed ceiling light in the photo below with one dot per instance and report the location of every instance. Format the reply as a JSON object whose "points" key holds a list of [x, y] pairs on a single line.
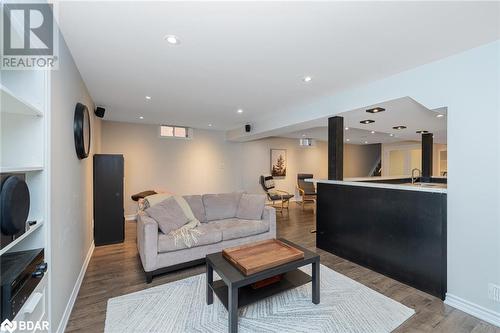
{"points": [[347, 140], [400, 127], [391, 134], [148, 98], [171, 39], [440, 115], [422, 132], [307, 79], [239, 111], [375, 110], [303, 135], [141, 117], [373, 132], [366, 142], [367, 121], [347, 128], [209, 125]]}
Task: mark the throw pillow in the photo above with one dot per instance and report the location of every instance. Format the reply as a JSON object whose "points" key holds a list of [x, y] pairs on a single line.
{"points": [[221, 206], [196, 205], [269, 183], [251, 206], [168, 214], [154, 199]]}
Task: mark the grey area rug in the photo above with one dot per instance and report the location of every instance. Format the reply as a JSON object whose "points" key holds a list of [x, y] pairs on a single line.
{"points": [[346, 306]]}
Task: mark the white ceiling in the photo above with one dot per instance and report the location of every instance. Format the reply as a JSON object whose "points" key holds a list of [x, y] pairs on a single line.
{"points": [[253, 55], [402, 111]]}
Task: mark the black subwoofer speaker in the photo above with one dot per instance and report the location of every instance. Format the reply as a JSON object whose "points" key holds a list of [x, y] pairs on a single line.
{"points": [[14, 207]]}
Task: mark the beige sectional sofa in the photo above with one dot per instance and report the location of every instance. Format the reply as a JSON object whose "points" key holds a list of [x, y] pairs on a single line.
{"points": [[219, 229]]}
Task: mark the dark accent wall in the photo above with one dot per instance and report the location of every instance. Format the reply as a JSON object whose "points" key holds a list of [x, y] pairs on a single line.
{"points": [[427, 146], [336, 148]]}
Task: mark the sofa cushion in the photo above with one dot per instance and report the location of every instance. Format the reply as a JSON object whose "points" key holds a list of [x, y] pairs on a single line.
{"points": [[221, 206], [210, 234], [238, 228], [197, 207], [168, 214], [251, 206]]}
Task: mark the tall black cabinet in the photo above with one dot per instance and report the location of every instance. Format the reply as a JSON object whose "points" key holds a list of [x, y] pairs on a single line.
{"points": [[109, 220]]}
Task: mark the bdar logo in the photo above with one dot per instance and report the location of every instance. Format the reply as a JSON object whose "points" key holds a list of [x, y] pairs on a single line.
{"points": [[8, 326]]}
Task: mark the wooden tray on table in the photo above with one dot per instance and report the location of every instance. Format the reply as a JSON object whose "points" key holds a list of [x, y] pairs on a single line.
{"points": [[259, 256]]}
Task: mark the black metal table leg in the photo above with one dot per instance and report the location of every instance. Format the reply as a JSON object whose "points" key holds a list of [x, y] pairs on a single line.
{"points": [[210, 281], [232, 308], [315, 282]]}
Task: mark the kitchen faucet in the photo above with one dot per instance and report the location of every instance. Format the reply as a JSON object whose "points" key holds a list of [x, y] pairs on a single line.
{"points": [[413, 178]]}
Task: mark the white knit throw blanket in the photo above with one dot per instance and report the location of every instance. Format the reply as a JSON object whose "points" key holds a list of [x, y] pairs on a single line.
{"points": [[187, 233]]}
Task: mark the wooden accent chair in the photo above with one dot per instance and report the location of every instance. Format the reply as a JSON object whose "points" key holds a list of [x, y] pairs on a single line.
{"points": [[283, 197], [306, 190]]}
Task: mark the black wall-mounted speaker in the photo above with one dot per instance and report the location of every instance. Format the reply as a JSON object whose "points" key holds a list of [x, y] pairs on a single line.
{"points": [[99, 111], [248, 128]]}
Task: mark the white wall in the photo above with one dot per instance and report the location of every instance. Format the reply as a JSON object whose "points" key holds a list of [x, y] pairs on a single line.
{"points": [[359, 160], [468, 84], [209, 164], [406, 147], [255, 161], [206, 164], [70, 187]]}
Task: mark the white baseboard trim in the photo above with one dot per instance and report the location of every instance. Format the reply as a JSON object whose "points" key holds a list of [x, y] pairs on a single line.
{"points": [[475, 310], [74, 293]]}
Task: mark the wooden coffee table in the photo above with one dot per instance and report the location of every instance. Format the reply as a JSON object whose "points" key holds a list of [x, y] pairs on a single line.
{"points": [[235, 291]]}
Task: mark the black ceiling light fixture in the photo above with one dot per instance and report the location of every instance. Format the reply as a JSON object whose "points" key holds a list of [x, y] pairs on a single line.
{"points": [[422, 132], [400, 127], [367, 121], [375, 110]]}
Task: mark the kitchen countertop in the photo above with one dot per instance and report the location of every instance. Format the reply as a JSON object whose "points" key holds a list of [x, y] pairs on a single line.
{"points": [[378, 178], [365, 182]]}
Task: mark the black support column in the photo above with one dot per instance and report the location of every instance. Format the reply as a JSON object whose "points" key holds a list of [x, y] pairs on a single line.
{"points": [[336, 148], [427, 146]]}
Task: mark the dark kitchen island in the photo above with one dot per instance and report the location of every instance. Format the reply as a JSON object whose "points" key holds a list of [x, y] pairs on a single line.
{"points": [[388, 225]]}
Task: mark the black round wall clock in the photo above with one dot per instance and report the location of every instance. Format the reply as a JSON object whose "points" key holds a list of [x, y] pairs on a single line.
{"points": [[81, 130]]}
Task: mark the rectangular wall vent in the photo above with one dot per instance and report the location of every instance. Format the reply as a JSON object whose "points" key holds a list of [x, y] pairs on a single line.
{"points": [[494, 292]]}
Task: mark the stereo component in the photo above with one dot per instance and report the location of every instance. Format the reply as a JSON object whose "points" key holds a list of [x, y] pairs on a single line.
{"points": [[19, 275]]}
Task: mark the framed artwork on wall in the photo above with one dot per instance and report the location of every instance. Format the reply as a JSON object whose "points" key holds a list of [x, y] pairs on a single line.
{"points": [[278, 162]]}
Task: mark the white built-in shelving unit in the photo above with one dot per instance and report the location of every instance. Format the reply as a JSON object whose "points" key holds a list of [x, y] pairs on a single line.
{"points": [[24, 149]]}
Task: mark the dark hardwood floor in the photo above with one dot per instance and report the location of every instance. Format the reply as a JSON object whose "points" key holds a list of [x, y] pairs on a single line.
{"points": [[116, 270]]}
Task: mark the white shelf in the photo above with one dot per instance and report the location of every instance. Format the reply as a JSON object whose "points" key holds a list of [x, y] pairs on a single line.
{"points": [[21, 169], [22, 237], [10, 103]]}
